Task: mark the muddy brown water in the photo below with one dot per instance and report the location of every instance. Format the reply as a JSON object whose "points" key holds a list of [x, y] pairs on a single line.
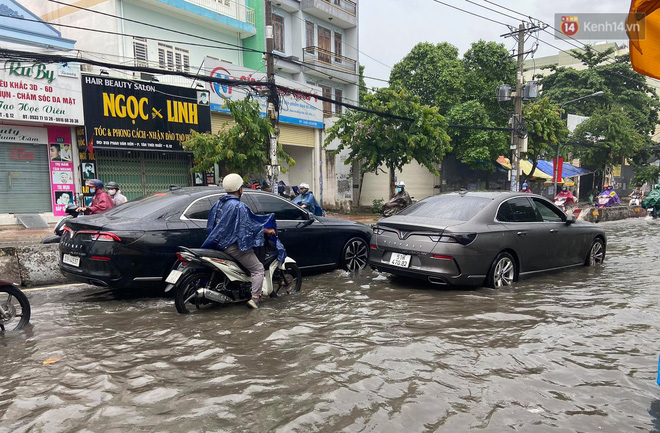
{"points": [[570, 351]]}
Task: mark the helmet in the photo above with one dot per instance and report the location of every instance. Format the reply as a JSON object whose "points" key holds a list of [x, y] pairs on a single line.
{"points": [[95, 182], [606, 186], [304, 185], [657, 186], [400, 183], [112, 185], [525, 185], [232, 182]]}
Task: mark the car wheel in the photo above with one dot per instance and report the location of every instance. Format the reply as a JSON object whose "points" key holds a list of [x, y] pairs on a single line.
{"points": [[596, 254], [355, 255], [502, 272]]}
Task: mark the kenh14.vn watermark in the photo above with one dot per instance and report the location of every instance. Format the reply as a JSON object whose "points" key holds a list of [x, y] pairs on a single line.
{"points": [[602, 27]]}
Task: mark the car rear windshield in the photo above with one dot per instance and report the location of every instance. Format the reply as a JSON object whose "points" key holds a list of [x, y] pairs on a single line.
{"points": [[144, 205], [447, 207]]}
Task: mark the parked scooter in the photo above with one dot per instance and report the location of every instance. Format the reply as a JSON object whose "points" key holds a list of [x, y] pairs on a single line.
{"points": [[207, 277], [14, 307], [59, 228]]}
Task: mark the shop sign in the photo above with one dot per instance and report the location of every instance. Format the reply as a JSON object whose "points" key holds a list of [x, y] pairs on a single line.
{"points": [[22, 134], [295, 109], [127, 114], [61, 168], [43, 93]]}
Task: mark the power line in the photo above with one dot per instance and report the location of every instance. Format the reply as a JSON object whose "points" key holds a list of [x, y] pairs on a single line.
{"points": [[472, 13], [492, 10]]}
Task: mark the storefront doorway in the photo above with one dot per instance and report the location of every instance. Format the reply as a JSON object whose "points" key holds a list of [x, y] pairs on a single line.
{"points": [[24, 178]]}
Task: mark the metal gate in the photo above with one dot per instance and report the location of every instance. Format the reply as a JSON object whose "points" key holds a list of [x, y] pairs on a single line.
{"points": [[24, 178], [140, 173]]}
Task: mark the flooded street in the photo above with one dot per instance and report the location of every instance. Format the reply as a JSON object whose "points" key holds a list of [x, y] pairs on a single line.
{"points": [[570, 351]]}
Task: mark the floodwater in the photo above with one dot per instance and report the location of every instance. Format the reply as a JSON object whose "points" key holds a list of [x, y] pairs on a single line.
{"points": [[570, 351]]}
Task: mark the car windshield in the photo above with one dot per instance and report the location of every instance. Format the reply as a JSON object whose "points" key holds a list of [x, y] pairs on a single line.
{"points": [[447, 207], [145, 205]]}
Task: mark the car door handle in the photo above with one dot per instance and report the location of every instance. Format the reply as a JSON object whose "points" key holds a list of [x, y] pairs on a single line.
{"points": [[522, 233], [554, 231]]}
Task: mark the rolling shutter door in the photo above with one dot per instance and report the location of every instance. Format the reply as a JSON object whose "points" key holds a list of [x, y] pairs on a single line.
{"points": [[289, 134], [24, 178]]}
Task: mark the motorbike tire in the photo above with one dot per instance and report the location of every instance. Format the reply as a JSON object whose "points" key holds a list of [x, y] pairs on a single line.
{"points": [[9, 310], [187, 288], [355, 255], [294, 285]]}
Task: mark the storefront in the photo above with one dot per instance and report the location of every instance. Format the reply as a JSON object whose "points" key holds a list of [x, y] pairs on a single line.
{"points": [[301, 118], [134, 130]]}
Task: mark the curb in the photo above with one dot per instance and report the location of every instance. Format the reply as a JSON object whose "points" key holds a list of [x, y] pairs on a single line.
{"points": [[31, 265]]}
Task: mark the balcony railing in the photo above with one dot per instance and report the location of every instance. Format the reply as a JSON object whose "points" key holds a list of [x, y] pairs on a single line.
{"points": [[327, 57], [346, 5], [230, 8]]}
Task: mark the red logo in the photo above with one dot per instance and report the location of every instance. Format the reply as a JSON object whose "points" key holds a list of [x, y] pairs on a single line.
{"points": [[569, 26]]}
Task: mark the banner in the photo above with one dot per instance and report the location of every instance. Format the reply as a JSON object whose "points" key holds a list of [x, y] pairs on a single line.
{"points": [[61, 168], [41, 93], [294, 109], [127, 114]]}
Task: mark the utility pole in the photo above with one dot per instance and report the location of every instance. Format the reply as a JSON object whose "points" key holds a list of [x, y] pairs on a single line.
{"points": [[518, 113], [273, 105]]}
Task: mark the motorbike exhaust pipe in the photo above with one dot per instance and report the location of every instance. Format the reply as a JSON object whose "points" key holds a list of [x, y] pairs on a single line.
{"points": [[214, 296]]}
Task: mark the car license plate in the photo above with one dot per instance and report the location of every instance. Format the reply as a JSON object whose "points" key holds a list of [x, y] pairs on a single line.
{"points": [[71, 260], [402, 260], [173, 277]]}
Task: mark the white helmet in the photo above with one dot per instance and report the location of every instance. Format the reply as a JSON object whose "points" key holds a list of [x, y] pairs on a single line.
{"points": [[400, 183], [232, 182], [303, 185]]}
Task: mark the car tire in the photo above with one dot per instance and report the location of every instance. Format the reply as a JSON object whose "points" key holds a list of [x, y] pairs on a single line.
{"points": [[187, 287], [596, 254], [503, 272], [355, 255]]}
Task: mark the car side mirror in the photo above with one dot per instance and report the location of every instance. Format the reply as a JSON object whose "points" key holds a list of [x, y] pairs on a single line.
{"points": [[570, 219]]}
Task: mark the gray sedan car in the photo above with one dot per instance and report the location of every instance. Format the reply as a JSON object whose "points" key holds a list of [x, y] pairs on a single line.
{"points": [[483, 238]]}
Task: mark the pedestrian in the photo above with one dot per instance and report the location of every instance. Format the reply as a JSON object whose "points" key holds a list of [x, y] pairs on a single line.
{"points": [[525, 188], [307, 201], [101, 200], [115, 194], [234, 229]]}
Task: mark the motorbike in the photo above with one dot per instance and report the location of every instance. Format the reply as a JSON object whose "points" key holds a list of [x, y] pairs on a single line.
{"points": [[605, 201], [560, 202], [14, 307], [59, 227], [205, 278]]}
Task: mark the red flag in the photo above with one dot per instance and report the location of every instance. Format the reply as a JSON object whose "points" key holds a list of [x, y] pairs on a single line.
{"points": [[90, 146], [557, 169]]}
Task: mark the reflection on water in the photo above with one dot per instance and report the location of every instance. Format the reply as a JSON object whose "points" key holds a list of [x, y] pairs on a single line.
{"points": [[570, 351]]}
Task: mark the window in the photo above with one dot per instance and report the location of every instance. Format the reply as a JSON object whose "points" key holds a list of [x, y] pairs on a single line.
{"points": [[548, 213], [338, 52], [339, 98], [309, 36], [327, 106], [282, 209], [173, 58], [518, 210], [325, 44], [140, 53], [200, 209], [447, 207], [278, 33]]}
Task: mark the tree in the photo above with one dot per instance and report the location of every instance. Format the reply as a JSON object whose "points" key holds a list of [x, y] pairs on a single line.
{"points": [[433, 73], [545, 128], [242, 148], [377, 140]]}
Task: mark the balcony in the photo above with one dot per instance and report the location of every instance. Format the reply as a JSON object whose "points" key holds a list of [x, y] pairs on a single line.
{"points": [[324, 63], [229, 15], [342, 13]]}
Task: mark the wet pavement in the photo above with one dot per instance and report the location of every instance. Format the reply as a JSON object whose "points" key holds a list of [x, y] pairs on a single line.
{"points": [[570, 351]]}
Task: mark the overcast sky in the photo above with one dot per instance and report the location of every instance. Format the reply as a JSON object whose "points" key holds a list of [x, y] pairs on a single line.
{"points": [[389, 29]]}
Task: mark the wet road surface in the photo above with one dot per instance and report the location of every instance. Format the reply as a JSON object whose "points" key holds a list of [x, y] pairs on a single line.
{"points": [[570, 351]]}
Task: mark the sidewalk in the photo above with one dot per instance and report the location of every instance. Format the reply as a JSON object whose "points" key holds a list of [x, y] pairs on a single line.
{"points": [[364, 218], [17, 235]]}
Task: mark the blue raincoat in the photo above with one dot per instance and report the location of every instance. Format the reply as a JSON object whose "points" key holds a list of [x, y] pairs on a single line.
{"points": [[308, 200], [231, 221]]}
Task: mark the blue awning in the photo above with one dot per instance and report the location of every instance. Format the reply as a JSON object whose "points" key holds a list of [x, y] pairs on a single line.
{"points": [[568, 170]]}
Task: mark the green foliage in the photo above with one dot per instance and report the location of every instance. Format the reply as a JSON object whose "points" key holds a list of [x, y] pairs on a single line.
{"points": [[433, 72], [362, 85], [546, 129], [377, 206], [375, 141], [242, 148], [648, 174]]}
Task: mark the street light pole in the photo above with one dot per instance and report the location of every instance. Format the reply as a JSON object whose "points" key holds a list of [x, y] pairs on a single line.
{"points": [[556, 164]]}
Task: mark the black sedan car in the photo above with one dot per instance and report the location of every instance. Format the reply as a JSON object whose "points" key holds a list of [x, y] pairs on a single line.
{"points": [[135, 244], [483, 238]]}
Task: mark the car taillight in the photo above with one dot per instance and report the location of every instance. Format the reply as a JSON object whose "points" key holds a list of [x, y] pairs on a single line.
{"points": [[374, 247], [441, 257], [66, 229], [455, 238], [106, 237]]}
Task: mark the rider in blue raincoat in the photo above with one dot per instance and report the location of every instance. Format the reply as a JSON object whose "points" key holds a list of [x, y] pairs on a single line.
{"points": [[234, 229], [307, 201]]}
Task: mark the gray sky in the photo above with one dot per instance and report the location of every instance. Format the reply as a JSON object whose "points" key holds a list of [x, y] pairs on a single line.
{"points": [[389, 29]]}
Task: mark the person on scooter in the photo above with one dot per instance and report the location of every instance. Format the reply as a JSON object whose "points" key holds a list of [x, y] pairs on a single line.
{"points": [[525, 188], [566, 197], [101, 200], [636, 196], [307, 201], [608, 197], [398, 202], [116, 195], [234, 229], [653, 201]]}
